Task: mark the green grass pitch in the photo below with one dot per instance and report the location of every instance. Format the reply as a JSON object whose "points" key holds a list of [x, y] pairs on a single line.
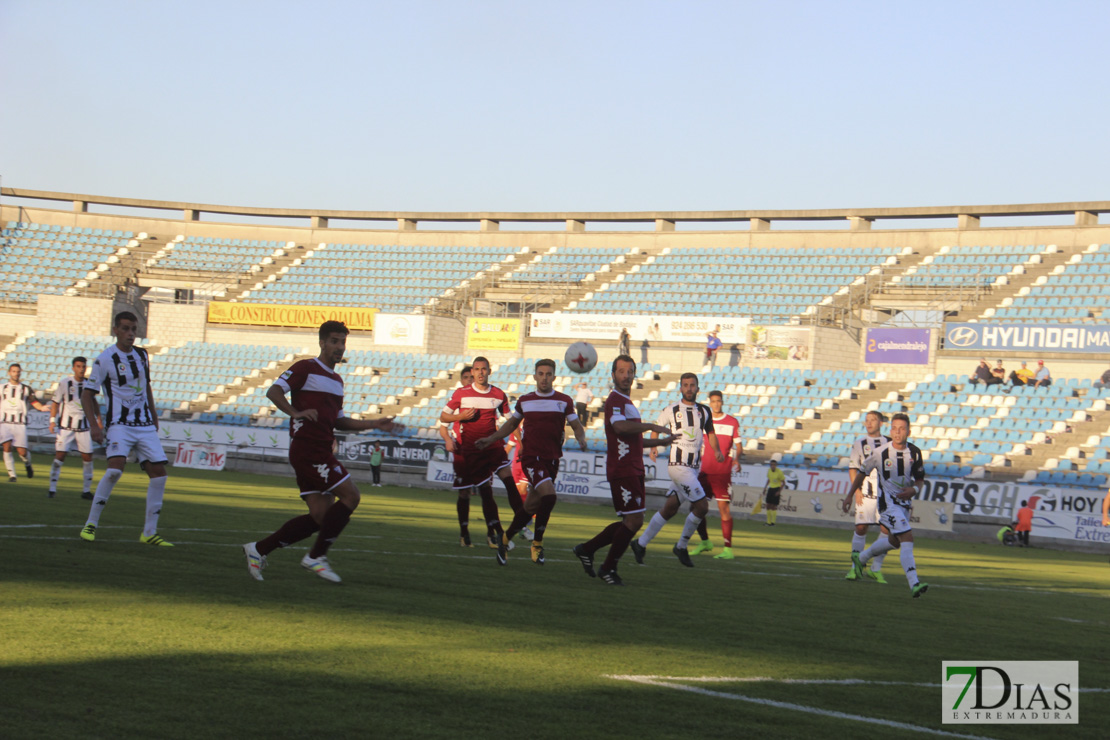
{"points": [[426, 639]]}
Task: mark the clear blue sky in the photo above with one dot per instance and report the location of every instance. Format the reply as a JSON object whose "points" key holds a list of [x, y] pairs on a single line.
{"points": [[560, 105]]}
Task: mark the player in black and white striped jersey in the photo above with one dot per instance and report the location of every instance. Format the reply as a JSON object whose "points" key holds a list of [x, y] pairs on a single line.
{"points": [[901, 472], [867, 498], [67, 418], [15, 397], [691, 423]]}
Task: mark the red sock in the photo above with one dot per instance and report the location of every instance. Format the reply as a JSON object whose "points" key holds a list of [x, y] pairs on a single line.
{"points": [[726, 531], [334, 521], [603, 538], [621, 538], [294, 530]]}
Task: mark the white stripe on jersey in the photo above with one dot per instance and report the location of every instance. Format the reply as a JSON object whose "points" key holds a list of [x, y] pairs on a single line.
{"points": [[13, 403], [71, 415], [543, 404]]}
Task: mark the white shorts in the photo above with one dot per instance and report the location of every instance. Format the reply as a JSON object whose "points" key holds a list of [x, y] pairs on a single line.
{"points": [[120, 440], [868, 512], [895, 519], [684, 484], [68, 437], [14, 433]]}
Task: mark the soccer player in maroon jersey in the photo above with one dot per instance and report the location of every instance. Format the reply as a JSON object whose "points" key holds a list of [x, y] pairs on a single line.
{"points": [[716, 478], [545, 412], [450, 435], [477, 407], [316, 410], [624, 469]]}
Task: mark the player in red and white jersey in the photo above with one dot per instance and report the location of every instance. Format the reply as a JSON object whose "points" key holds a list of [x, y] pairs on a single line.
{"points": [[716, 477], [545, 413], [449, 433], [316, 410], [624, 471], [477, 407]]}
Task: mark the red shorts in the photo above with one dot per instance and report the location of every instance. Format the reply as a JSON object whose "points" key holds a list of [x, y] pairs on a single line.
{"points": [[716, 485], [316, 468], [539, 469], [474, 467], [628, 494], [519, 476]]}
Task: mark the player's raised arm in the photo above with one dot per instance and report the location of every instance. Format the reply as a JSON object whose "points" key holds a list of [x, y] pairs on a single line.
{"points": [[385, 424], [508, 427]]}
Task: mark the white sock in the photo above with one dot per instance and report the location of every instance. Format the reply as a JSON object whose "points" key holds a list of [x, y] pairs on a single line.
{"points": [[9, 463], [154, 492], [859, 542], [688, 529], [103, 491], [55, 474], [878, 547], [87, 469], [877, 562], [653, 527], [26, 457], [908, 565]]}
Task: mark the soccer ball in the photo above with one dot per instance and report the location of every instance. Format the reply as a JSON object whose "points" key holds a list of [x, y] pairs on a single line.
{"points": [[581, 357]]}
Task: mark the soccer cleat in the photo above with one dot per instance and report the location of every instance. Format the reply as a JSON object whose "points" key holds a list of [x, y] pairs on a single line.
{"points": [[683, 556], [876, 575], [320, 567], [464, 541], [638, 550], [30, 470], [857, 566], [587, 560], [11, 479], [919, 589], [537, 552], [87, 495], [528, 534], [703, 546], [491, 540], [88, 533], [610, 577], [155, 540], [255, 562], [851, 575], [725, 554], [502, 550], [51, 494]]}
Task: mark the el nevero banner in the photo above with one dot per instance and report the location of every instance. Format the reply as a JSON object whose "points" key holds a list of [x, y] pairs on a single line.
{"points": [[492, 334], [307, 317]]}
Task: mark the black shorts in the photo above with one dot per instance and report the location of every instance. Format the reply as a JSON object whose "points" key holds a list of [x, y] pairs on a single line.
{"points": [[773, 496]]}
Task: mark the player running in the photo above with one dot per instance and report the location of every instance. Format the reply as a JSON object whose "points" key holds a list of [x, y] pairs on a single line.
{"points": [[867, 501], [716, 477], [624, 471], [15, 397], [901, 473], [690, 421], [67, 417], [545, 412], [449, 433], [315, 407], [130, 423]]}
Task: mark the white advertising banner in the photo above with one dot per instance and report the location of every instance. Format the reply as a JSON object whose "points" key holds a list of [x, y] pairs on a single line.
{"points": [[731, 329], [200, 456], [1065, 525], [406, 330], [255, 438]]}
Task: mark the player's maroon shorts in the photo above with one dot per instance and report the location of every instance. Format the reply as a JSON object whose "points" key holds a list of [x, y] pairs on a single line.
{"points": [[716, 485], [628, 493], [519, 476], [478, 466], [316, 467], [539, 469]]}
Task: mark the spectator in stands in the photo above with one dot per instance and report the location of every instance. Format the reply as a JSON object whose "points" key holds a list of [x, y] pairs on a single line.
{"points": [[1022, 376], [1042, 377], [1024, 523], [582, 397], [624, 345], [376, 464], [712, 344], [999, 372], [983, 375], [1104, 381]]}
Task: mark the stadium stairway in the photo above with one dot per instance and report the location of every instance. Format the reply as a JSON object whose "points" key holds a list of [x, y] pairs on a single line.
{"points": [[840, 417], [268, 273], [120, 269], [633, 260], [975, 309]]}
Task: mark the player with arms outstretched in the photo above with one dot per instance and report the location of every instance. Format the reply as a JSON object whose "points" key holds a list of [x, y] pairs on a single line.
{"points": [[315, 407], [624, 471], [545, 413]]}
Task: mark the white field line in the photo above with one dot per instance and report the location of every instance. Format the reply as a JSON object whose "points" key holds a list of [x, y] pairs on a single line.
{"points": [[668, 682], [799, 681]]}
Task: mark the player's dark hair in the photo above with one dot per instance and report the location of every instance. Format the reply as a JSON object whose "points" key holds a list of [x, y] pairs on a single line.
{"points": [[466, 369], [547, 363], [1024, 503], [333, 327], [716, 394], [900, 417], [79, 359], [622, 358], [878, 414], [687, 376], [479, 359], [15, 364], [122, 315]]}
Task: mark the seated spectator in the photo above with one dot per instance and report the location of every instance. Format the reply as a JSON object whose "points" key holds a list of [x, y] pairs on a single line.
{"points": [[984, 375], [1022, 376], [999, 372], [1104, 381], [1042, 377]]}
